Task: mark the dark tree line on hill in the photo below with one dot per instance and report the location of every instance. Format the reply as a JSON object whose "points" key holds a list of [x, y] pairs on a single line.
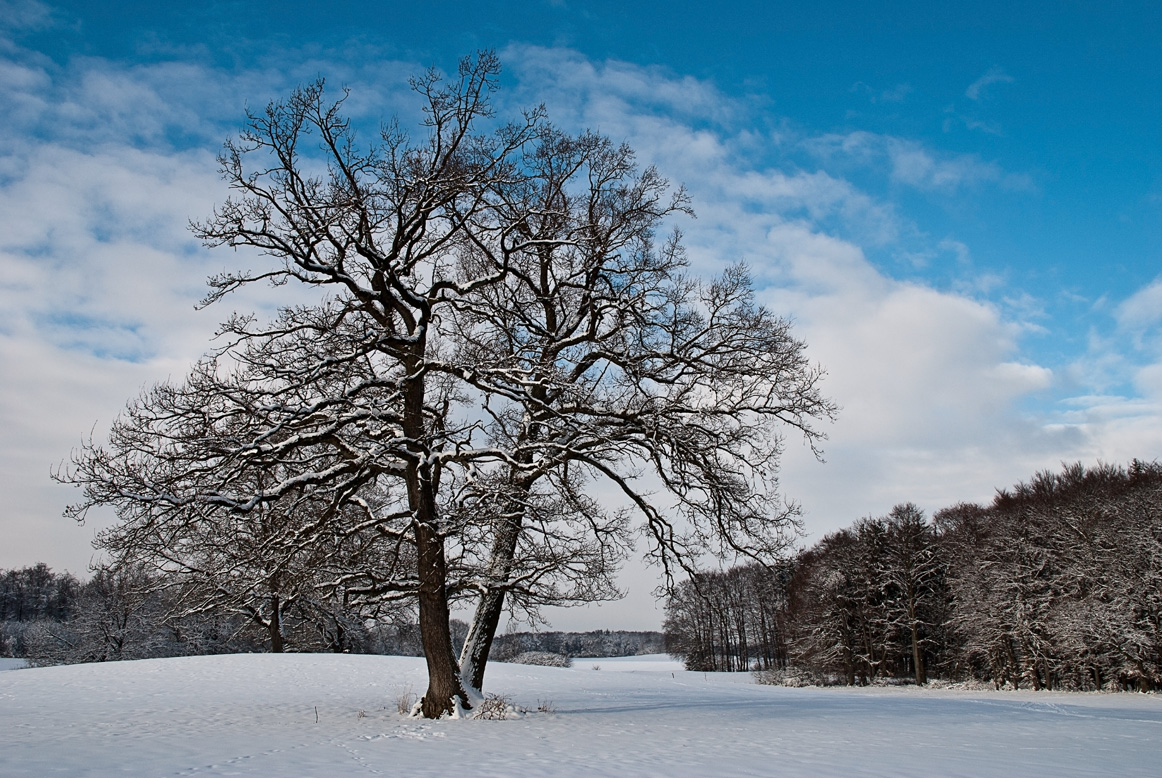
{"points": [[36, 593], [126, 613], [597, 643], [54, 618], [1055, 585]]}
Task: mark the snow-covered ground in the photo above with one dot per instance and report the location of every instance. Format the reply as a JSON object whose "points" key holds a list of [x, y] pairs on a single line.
{"points": [[255, 715]]}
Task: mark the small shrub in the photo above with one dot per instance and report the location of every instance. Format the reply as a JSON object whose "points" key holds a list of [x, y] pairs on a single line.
{"points": [[794, 677], [496, 707], [546, 706], [406, 701]]}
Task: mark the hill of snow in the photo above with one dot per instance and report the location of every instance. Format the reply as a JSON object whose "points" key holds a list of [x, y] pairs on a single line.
{"points": [[255, 715]]}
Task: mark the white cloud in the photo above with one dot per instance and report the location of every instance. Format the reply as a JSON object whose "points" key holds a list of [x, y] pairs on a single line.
{"points": [[914, 165], [934, 386], [913, 367], [610, 94], [25, 15], [959, 249], [98, 274], [1120, 376], [1141, 310], [895, 94]]}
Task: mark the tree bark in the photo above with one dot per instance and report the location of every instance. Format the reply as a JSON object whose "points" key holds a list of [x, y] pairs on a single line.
{"points": [[918, 657], [444, 684], [478, 645], [275, 626]]}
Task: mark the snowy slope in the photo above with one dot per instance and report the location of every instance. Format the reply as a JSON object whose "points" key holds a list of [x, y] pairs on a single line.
{"points": [[255, 715]]}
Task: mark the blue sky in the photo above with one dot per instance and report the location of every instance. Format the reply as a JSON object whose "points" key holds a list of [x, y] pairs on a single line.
{"points": [[960, 207]]}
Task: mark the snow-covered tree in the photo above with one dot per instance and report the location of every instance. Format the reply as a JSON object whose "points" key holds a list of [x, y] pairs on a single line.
{"points": [[1054, 584], [600, 361], [497, 332], [913, 568]]}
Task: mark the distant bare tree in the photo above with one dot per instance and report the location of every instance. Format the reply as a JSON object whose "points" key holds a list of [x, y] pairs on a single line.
{"points": [[730, 620], [115, 619]]}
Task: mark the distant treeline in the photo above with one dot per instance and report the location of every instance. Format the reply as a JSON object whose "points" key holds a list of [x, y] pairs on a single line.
{"points": [[1055, 585], [578, 644], [53, 618]]}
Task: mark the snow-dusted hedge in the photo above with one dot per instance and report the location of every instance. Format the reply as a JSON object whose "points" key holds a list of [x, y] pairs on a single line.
{"points": [[542, 658]]}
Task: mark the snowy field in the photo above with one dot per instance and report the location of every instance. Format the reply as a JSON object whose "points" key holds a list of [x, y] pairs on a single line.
{"points": [[255, 715]]}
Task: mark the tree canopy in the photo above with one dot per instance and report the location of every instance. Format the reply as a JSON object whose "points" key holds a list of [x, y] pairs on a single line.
{"points": [[505, 375]]}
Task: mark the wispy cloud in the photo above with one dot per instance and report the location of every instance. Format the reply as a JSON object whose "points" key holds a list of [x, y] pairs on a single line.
{"points": [[1118, 379], [101, 167], [930, 381], [613, 92], [1141, 310], [994, 75], [916, 166], [913, 164], [25, 15], [895, 94]]}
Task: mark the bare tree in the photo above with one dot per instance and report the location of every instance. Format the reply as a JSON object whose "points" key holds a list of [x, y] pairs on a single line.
{"points": [[115, 618], [601, 361], [216, 495], [730, 620], [386, 229], [382, 228], [499, 331]]}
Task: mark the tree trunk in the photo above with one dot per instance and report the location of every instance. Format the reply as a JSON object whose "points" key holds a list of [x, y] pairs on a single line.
{"points": [[275, 625], [917, 652], [918, 657], [478, 644], [443, 676], [431, 564]]}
